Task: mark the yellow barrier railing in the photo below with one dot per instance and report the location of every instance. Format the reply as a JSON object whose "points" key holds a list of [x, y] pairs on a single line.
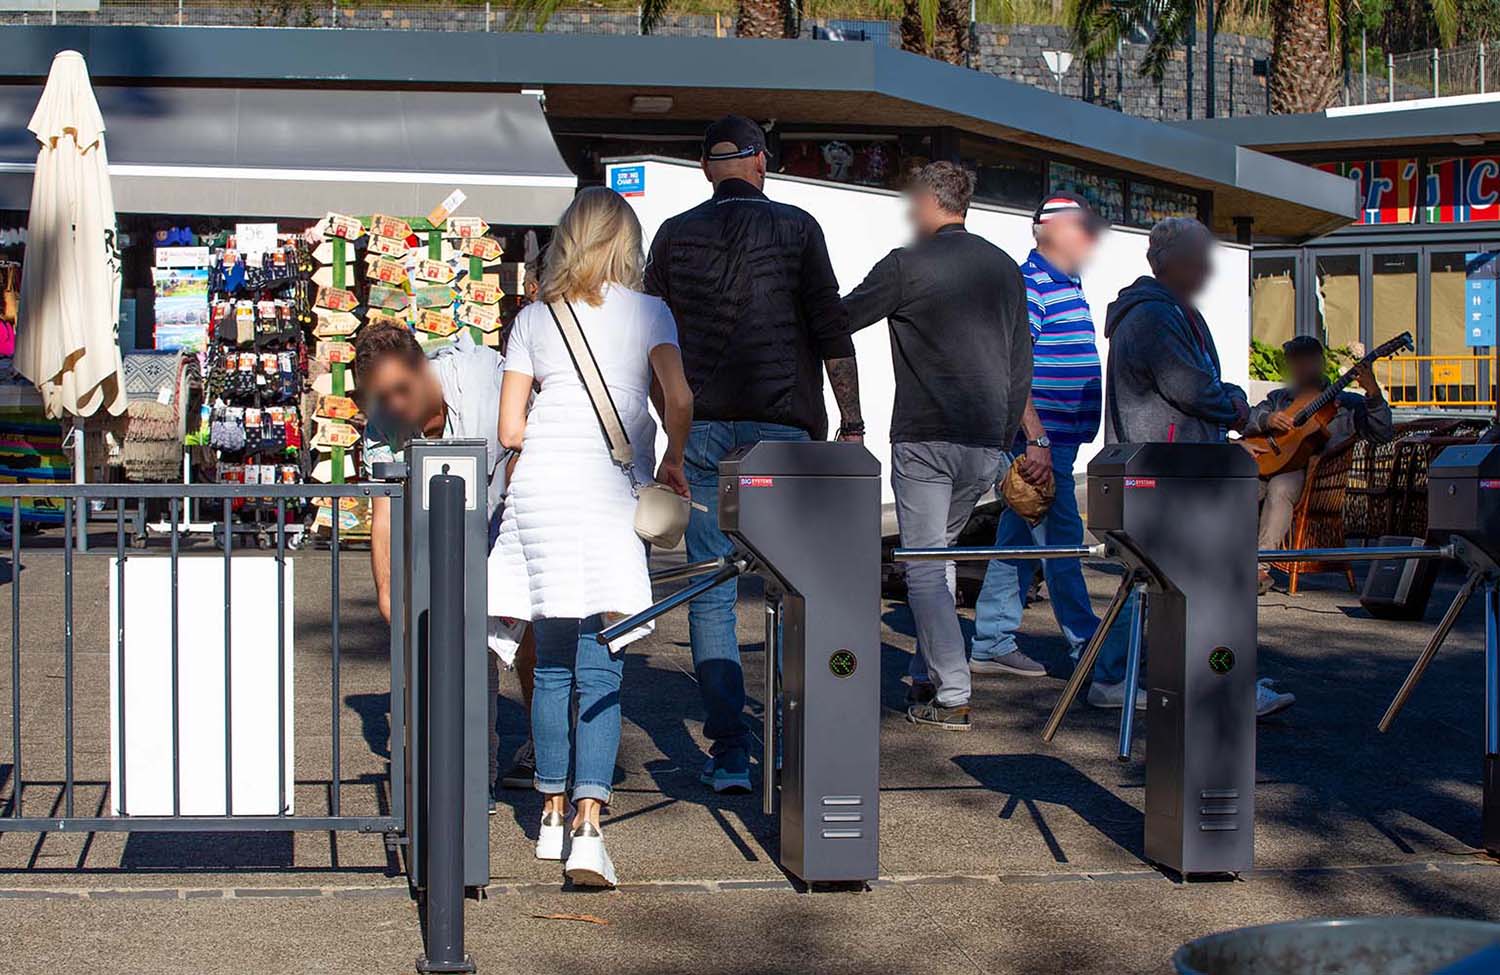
{"points": [[1437, 380]]}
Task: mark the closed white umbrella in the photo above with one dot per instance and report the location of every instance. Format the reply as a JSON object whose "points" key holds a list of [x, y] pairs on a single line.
{"points": [[66, 333]]}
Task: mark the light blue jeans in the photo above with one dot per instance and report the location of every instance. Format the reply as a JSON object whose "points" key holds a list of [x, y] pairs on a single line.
{"points": [[711, 619], [570, 661], [997, 614]]}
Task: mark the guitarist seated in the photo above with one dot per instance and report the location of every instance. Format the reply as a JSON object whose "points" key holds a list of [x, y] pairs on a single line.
{"points": [[1367, 416]]}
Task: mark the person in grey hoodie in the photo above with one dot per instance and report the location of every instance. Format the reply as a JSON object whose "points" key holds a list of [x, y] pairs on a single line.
{"points": [[1163, 381]]}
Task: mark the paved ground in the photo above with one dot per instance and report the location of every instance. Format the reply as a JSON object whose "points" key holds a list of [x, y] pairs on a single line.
{"points": [[999, 853]]}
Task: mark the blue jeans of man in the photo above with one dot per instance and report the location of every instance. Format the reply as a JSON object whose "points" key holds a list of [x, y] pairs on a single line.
{"points": [[570, 660], [997, 614], [711, 619]]}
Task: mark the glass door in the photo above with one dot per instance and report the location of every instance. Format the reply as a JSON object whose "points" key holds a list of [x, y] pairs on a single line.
{"points": [[1336, 297], [1393, 292]]}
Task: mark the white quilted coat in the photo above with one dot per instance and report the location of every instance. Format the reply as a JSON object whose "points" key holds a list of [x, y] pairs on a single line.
{"points": [[567, 546]]}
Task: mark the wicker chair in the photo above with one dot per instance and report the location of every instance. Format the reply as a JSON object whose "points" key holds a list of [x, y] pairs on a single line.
{"points": [[1318, 519]]}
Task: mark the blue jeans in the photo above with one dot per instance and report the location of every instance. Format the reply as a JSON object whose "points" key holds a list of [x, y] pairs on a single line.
{"points": [[569, 660], [711, 620], [997, 614]]}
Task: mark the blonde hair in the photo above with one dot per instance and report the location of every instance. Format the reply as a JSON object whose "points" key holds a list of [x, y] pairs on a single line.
{"points": [[597, 242]]}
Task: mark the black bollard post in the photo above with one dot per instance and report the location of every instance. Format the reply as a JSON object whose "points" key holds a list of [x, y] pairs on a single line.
{"points": [[443, 930]]}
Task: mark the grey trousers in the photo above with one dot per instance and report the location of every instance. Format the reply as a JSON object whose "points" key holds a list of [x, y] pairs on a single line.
{"points": [[936, 486]]}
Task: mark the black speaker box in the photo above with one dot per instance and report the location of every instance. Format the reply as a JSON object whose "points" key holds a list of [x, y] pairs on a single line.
{"points": [[1398, 589]]}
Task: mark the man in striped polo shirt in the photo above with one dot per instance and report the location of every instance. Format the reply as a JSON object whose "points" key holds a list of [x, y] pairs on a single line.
{"points": [[1061, 415]]}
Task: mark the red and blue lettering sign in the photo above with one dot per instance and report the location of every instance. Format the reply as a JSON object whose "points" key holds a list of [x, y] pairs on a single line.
{"points": [[1463, 189]]}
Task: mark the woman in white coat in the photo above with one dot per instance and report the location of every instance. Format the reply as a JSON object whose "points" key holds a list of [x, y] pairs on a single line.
{"points": [[567, 555]]}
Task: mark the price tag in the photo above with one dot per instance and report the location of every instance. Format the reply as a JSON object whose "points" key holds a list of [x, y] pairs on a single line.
{"points": [[450, 203]]}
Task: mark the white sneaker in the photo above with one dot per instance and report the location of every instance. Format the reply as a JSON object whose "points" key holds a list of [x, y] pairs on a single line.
{"points": [[552, 839], [1113, 696], [589, 864], [1268, 700]]}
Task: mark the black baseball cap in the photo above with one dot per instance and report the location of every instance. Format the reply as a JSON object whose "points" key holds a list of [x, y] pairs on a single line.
{"points": [[747, 138], [1060, 203], [1300, 346]]}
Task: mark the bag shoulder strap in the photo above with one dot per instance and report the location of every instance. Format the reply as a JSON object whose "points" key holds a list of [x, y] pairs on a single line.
{"points": [[593, 383]]}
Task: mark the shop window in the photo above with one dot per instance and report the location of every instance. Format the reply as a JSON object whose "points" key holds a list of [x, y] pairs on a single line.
{"points": [[1273, 299], [1106, 194], [1393, 296], [1338, 299], [1150, 202], [1003, 174], [1463, 189], [1387, 188], [863, 161], [1457, 378]]}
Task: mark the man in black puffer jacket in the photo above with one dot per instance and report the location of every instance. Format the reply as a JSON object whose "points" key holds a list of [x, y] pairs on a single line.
{"points": [[759, 320]]}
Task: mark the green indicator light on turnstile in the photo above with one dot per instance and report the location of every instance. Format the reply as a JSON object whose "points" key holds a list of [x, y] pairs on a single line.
{"points": [[1221, 660], [842, 663]]}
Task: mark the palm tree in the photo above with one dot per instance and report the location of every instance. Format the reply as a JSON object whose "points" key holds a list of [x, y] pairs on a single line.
{"points": [[761, 18], [936, 28], [1303, 76]]}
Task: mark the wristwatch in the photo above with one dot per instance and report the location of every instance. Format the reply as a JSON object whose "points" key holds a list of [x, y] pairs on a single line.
{"points": [[1043, 441]]}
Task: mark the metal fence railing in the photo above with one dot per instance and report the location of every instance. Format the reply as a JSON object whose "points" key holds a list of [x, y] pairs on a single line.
{"points": [[1431, 381], [191, 706], [15, 817]]}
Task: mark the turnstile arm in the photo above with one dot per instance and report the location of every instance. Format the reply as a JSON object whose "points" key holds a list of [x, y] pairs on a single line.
{"points": [[1353, 554], [1428, 652], [684, 595], [988, 552], [1090, 654], [688, 569]]}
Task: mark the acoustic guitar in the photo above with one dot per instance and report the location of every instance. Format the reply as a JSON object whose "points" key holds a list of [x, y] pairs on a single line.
{"points": [[1311, 413]]}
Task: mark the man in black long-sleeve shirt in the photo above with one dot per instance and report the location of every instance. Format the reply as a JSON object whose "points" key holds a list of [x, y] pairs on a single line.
{"points": [[961, 345], [759, 320]]}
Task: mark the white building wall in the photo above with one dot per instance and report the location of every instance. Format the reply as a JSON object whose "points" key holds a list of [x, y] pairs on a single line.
{"points": [[862, 225]]}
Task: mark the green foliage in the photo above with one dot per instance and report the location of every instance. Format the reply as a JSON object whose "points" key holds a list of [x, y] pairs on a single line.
{"points": [[1268, 362]]}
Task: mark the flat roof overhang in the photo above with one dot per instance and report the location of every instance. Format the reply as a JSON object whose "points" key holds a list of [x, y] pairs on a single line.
{"points": [[592, 76], [1388, 125]]}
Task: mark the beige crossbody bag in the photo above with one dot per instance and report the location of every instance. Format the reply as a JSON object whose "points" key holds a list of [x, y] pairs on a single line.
{"points": [[661, 514]]}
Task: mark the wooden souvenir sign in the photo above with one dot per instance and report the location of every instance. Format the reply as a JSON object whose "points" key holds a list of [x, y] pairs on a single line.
{"points": [[323, 384], [434, 296], [484, 248], [482, 292], [386, 270], [388, 246], [334, 433], [337, 408], [384, 226], [323, 253], [337, 299], [379, 316], [335, 352], [340, 225], [466, 228], [336, 324], [323, 276], [389, 298], [435, 322], [435, 272], [486, 318]]}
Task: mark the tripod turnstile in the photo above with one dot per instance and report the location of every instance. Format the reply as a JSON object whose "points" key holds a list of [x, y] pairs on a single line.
{"points": [[806, 518]]}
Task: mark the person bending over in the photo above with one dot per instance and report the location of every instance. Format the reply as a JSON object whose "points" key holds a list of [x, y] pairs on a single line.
{"points": [[453, 392]]}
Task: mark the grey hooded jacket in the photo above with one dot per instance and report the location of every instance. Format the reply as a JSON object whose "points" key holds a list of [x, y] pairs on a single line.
{"points": [[1162, 380]]}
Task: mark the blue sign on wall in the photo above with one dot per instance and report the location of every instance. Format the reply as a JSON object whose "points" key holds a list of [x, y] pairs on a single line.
{"points": [[1481, 273], [628, 180]]}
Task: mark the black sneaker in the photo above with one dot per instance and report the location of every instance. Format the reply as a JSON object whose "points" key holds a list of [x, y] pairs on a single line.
{"points": [[522, 768], [921, 692], [948, 719]]}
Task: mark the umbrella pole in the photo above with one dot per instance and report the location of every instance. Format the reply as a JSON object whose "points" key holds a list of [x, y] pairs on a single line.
{"points": [[80, 526]]}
